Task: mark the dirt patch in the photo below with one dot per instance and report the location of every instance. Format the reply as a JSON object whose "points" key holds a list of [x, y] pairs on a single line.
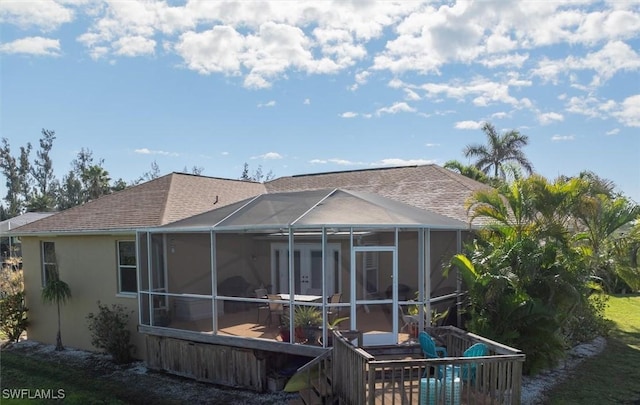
{"points": [[157, 385]]}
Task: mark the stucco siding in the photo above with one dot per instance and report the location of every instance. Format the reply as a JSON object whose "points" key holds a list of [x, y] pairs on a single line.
{"points": [[88, 265]]}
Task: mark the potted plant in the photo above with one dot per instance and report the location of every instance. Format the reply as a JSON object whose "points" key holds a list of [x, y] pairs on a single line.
{"points": [[333, 325], [308, 319]]}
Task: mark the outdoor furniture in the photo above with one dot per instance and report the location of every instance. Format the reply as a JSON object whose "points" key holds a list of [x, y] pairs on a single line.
{"points": [[275, 308], [469, 370], [334, 312], [431, 351], [409, 322], [262, 306], [300, 297]]}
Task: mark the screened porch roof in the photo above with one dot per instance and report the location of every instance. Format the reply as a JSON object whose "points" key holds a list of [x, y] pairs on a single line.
{"points": [[313, 209]]}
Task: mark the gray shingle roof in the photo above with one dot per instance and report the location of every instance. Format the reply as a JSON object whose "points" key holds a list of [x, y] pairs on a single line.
{"points": [[156, 202], [177, 196], [429, 187]]}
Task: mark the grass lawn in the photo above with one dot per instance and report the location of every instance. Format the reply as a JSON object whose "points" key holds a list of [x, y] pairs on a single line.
{"points": [[613, 377], [78, 385]]}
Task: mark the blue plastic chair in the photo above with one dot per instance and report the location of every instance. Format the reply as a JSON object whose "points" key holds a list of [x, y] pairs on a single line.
{"points": [[469, 370], [431, 351], [429, 348]]}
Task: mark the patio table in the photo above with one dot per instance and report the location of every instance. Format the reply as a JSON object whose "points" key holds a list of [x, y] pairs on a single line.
{"points": [[302, 297]]}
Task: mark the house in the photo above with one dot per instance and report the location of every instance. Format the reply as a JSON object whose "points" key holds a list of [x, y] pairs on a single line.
{"points": [[181, 248], [10, 245]]}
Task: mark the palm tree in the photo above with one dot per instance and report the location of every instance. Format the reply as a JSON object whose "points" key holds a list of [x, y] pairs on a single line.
{"points": [[469, 171], [58, 292], [96, 180], [500, 150]]}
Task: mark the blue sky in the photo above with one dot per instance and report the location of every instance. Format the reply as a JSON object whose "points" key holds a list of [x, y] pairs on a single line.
{"points": [[305, 87]]}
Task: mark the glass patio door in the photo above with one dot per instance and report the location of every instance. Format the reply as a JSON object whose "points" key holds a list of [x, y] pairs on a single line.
{"points": [[374, 294], [307, 261]]}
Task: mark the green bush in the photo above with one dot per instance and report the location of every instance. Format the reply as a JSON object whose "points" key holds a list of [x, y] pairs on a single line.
{"points": [[109, 331], [13, 311], [588, 321]]}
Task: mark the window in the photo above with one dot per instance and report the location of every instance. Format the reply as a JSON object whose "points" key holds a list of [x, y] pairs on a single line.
{"points": [[370, 265], [127, 276], [49, 265]]}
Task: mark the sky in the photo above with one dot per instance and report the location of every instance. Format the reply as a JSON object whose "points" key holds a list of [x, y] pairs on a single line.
{"points": [[297, 87]]}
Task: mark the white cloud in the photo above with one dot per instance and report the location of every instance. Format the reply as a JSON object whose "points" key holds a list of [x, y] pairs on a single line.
{"points": [[349, 114], [561, 138], [146, 151], [510, 60], [44, 14], [469, 124], [411, 95], [395, 108], [271, 103], [134, 46], [361, 78], [32, 46], [431, 145], [269, 156], [306, 101], [336, 161], [629, 111], [548, 118], [402, 162], [483, 91], [215, 50], [615, 56], [614, 131]]}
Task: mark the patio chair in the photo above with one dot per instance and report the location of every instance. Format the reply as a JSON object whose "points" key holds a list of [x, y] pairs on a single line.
{"points": [[262, 306], [334, 312], [275, 308], [431, 351], [469, 370], [409, 322]]}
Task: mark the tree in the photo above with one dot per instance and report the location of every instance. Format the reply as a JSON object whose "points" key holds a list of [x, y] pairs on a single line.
{"points": [[56, 292], [257, 176], [152, 174], [528, 282], [97, 181], [71, 193], [501, 149], [16, 173], [197, 170], [42, 172], [469, 171]]}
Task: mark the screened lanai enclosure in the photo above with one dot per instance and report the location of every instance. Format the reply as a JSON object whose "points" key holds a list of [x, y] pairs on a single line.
{"points": [[278, 271]]}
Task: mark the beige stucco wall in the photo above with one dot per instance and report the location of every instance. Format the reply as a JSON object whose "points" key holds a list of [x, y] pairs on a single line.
{"points": [[88, 265]]}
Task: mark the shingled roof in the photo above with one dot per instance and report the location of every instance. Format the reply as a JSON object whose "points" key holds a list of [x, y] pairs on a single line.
{"points": [[429, 187], [156, 202], [177, 196]]}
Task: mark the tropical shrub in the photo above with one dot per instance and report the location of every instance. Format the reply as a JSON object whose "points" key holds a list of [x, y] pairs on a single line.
{"points": [[110, 332], [533, 269], [13, 311]]}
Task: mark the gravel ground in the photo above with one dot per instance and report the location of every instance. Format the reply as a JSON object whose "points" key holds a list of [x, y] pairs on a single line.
{"points": [[170, 388], [534, 388], [182, 390]]}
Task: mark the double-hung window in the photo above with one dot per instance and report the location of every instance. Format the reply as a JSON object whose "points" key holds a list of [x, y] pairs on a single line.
{"points": [[127, 277], [49, 264]]}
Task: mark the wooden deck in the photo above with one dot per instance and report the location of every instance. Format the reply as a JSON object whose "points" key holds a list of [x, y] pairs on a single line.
{"points": [[244, 323], [363, 376]]}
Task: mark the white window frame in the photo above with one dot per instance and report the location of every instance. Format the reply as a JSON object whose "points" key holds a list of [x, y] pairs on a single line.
{"points": [[46, 264], [121, 266]]}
